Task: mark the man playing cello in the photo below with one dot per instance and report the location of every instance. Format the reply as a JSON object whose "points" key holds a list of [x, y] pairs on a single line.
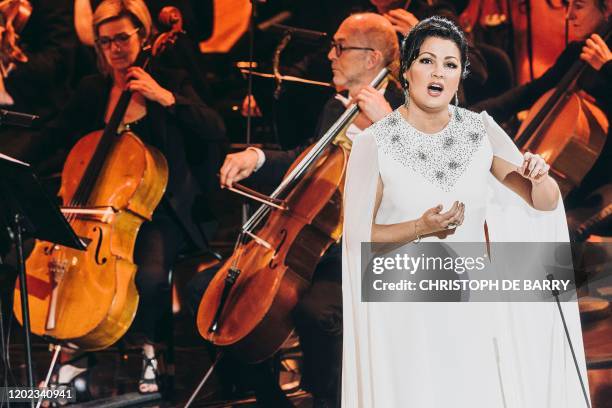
{"points": [[362, 46]]}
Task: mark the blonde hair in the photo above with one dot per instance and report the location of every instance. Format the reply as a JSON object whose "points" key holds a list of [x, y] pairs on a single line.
{"points": [[109, 10]]}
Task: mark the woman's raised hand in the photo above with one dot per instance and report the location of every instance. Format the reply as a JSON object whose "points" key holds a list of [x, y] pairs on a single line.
{"points": [[596, 52], [534, 168], [140, 81]]}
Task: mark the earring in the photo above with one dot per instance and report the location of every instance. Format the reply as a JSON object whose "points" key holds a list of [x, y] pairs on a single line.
{"points": [[457, 107], [406, 97]]}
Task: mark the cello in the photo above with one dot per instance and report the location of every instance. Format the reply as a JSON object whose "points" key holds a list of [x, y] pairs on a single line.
{"points": [[566, 128], [247, 307], [111, 183]]}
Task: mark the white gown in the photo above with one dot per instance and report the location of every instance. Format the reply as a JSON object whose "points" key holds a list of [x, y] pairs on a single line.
{"points": [[422, 355]]}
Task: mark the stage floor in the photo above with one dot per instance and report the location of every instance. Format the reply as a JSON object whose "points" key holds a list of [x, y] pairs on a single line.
{"points": [[116, 373], [118, 369]]}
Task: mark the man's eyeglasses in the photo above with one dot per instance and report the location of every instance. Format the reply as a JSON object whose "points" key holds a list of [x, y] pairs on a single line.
{"points": [[120, 39], [339, 48]]}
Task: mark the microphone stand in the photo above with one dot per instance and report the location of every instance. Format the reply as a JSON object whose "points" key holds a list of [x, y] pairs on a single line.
{"points": [[555, 293]]}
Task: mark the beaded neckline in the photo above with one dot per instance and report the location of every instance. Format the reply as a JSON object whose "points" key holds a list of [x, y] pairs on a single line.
{"points": [[439, 157]]}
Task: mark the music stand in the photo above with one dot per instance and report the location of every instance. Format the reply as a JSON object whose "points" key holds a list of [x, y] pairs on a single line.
{"points": [[32, 213]]}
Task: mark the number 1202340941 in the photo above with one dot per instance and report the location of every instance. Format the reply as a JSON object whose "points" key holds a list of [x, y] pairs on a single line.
{"points": [[28, 394]]}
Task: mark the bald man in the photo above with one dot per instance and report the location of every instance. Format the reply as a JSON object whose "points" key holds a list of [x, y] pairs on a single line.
{"points": [[363, 45]]}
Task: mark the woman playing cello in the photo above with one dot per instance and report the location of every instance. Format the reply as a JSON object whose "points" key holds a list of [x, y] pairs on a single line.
{"points": [[166, 113], [586, 17]]}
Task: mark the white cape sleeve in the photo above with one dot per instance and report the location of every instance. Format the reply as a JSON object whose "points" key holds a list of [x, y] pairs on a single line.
{"points": [[504, 207], [359, 196], [543, 357]]}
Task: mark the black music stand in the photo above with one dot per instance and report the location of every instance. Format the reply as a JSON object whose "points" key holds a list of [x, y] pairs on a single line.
{"points": [[32, 213]]}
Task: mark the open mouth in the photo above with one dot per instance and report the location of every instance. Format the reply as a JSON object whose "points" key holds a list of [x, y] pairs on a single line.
{"points": [[435, 89]]}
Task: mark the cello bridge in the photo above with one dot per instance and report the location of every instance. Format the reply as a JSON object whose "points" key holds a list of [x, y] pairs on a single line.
{"points": [[260, 240]]}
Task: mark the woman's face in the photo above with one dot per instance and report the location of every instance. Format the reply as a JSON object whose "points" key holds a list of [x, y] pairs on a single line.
{"points": [[434, 76], [120, 43], [585, 17]]}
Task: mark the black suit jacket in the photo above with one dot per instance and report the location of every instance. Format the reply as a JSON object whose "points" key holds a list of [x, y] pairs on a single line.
{"points": [[190, 135], [278, 161]]}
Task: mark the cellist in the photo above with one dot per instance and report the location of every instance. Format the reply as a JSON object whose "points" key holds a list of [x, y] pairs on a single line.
{"points": [[585, 17], [362, 46], [164, 112]]}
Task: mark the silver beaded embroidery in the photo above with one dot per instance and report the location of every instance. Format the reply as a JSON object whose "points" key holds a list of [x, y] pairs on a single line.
{"points": [[442, 157]]}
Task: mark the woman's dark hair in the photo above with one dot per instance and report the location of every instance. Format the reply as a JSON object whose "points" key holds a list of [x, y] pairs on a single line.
{"points": [[600, 4], [435, 26]]}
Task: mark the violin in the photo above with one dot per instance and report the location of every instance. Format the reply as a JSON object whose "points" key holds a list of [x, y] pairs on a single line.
{"points": [[111, 183], [247, 307], [566, 128]]}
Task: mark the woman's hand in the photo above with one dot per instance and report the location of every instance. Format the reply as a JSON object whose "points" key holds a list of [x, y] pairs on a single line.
{"points": [[433, 220], [544, 193], [141, 82], [534, 168], [596, 52]]}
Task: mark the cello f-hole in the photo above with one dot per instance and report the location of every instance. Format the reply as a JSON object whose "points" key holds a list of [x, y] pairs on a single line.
{"points": [[98, 246], [283, 234]]}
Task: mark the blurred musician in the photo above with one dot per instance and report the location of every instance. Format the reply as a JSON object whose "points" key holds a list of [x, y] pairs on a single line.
{"points": [[585, 17]]}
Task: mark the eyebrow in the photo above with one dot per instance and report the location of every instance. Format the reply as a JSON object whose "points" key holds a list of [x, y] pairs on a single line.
{"points": [[434, 55]]}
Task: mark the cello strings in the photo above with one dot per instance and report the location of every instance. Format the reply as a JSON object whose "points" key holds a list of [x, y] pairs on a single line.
{"points": [[239, 248], [86, 183], [103, 147], [92, 171], [300, 169], [328, 137], [313, 154], [236, 246], [263, 210]]}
